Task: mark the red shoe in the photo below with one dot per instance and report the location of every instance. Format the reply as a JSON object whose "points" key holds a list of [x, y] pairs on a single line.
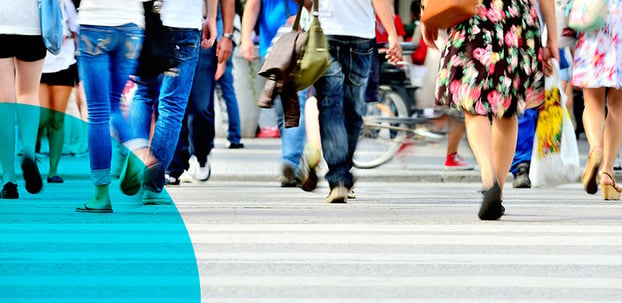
{"points": [[455, 162], [268, 132]]}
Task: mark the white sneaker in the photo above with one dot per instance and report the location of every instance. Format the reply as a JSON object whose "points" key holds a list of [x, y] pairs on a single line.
{"points": [[200, 173], [186, 177]]}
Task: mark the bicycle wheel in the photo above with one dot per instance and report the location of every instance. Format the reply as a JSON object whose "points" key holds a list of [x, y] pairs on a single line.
{"points": [[382, 133]]}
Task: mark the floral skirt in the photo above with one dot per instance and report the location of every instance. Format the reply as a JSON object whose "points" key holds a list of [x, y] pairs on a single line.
{"points": [[490, 64]]}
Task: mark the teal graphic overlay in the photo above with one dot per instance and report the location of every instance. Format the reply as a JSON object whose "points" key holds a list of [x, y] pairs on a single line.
{"points": [[51, 253]]}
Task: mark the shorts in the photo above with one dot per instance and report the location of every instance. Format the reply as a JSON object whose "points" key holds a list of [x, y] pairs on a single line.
{"points": [[23, 47], [65, 77]]}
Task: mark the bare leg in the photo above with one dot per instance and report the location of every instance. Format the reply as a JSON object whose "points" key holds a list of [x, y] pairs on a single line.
{"points": [[612, 137], [504, 136], [594, 116], [7, 119], [56, 127], [454, 134], [479, 133]]}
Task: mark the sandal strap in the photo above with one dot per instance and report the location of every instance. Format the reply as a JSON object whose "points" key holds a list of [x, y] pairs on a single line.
{"points": [[613, 179]]}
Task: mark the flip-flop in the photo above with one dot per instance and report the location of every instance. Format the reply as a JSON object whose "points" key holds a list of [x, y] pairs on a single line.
{"points": [[86, 209]]}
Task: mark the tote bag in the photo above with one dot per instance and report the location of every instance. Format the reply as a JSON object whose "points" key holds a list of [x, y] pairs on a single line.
{"points": [[588, 15], [441, 14], [51, 19], [555, 155]]}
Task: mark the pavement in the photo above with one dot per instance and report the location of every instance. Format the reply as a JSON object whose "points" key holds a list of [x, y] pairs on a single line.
{"points": [[260, 161]]}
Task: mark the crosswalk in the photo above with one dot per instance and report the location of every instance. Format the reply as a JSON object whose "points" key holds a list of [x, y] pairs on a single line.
{"points": [[405, 243]]}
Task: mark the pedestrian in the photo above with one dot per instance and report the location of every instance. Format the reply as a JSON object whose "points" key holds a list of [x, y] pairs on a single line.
{"points": [[21, 62], [350, 29], [596, 70], [490, 68], [271, 15], [60, 76], [198, 127], [111, 35], [166, 94]]}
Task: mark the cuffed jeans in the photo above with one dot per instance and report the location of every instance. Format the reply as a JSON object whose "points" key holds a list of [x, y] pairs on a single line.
{"points": [[340, 94], [169, 92], [107, 57]]}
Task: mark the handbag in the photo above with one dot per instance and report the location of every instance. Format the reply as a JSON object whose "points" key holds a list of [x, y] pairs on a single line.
{"points": [[314, 59], [555, 155], [587, 15], [158, 52], [51, 19], [447, 13]]}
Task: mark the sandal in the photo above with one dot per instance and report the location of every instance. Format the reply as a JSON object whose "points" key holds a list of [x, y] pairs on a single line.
{"points": [[610, 191], [588, 178]]}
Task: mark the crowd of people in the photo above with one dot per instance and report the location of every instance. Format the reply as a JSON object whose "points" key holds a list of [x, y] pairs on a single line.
{"points": [[490, 67]]}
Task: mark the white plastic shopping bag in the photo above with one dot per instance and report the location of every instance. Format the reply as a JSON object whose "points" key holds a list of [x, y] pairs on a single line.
{"points": [[555, 156]]}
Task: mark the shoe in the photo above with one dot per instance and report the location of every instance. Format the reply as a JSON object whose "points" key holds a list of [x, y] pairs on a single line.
{"points": [[610, 191], [427, 134], [34, 183], [156, 198], [9, 191], [307, 179], [288, 176], [130, 177], [521, 180], [236, 145], [351, 194], [338, 194], [198, 172], [588, 178], [491, 208], [453, 161], [186, 177], [55, 179], [153, 177], [85, 209], [617, 165], [170, 180]]}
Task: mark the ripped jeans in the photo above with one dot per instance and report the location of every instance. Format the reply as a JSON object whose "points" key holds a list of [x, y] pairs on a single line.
{"points": [[108, 55]]}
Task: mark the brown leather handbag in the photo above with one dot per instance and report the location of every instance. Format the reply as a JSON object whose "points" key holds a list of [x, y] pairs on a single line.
{"points": [[441, 14]]}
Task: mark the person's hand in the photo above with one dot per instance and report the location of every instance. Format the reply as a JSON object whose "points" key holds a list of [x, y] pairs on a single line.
{"points": [[247, 49], [220, 70], [429, 36], [549, 52], [210, 32], [394, 52], [223, 49]]}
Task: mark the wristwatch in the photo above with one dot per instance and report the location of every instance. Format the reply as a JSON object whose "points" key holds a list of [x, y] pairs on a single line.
{"points": [[228, 36]]}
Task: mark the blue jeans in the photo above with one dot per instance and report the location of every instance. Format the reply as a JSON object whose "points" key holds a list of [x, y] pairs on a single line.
{"points": [[292, 138], [107, 57], [524, 142], [233, 113], [197, 131], [169, 93], [340, 94]]}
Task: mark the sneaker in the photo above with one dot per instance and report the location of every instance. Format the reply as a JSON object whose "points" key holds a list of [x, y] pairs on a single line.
{"points": [[521, 180], [338, 194], [34, 183], [288, 176], [351, 194], [153, 198], [186, 177], [236, 145], [198, 172], [453, 161], [9, 191], [170, 180]]}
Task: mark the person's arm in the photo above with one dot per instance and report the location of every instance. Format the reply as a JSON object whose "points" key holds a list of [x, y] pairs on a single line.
{"points": [[550, 51], [383, 10], [210, 32], [249, 18], [225, 45]]}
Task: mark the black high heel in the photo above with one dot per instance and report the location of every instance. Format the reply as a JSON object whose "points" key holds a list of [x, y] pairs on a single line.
{"points": [[491, 208]]}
